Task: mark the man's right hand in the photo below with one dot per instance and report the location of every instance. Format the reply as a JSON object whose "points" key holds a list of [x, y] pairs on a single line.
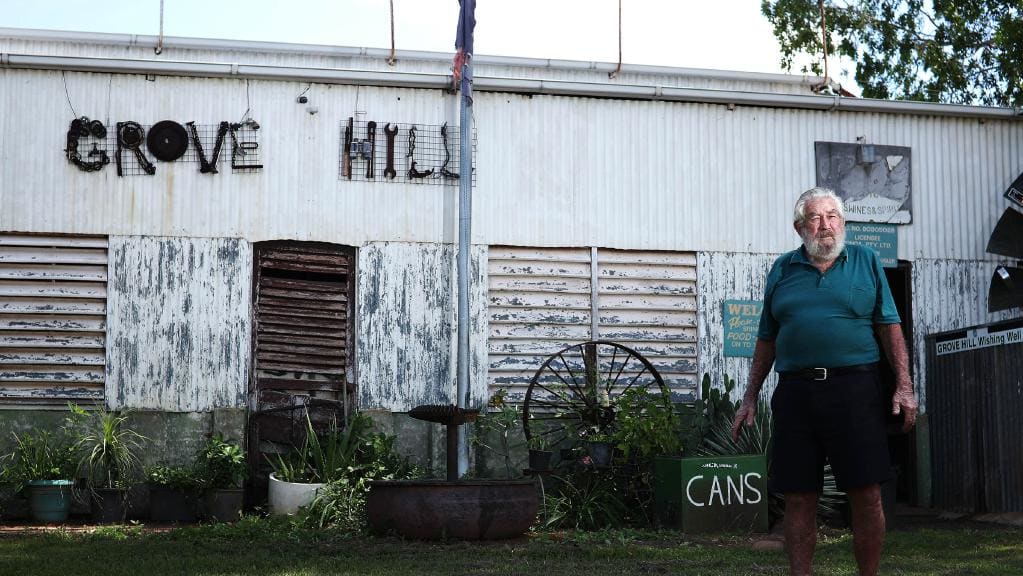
{"points": [[745, 415]]}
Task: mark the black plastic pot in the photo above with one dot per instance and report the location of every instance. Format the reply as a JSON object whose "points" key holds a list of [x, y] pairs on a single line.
{"points": [[172, 505], [540, 459], [599, 453], [224, 505], [109, 505]]}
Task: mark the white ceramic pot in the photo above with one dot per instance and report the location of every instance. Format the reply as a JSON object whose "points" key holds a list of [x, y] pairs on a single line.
{"points": [[288, 497]]}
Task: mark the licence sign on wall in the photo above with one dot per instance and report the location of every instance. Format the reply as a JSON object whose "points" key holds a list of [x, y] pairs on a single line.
{"points": [[724, 494], [741, 319], [881, 238]]}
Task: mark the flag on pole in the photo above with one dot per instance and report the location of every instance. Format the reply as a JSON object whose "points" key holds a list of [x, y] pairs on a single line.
{"points": [[463, 47]]}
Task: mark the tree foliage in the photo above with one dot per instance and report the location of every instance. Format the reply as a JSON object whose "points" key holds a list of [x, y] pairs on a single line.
{"points": [[934, 50]]}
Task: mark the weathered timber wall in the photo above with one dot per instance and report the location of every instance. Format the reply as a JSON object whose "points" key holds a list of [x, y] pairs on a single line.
{"points": [[407, 321], [179, 323]]}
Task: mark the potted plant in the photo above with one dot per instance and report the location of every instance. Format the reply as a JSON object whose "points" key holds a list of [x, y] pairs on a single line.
{"points": [[539, 451], [299, 475], [220, 466], [43, 463], [599, 447], [109, 460], [173, 493]]}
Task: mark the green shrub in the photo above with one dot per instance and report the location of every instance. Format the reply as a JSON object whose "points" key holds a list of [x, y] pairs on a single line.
{"points": [[220, 464]]}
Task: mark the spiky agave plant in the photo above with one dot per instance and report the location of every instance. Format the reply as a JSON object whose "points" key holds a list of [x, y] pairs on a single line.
{"points": [[110, 450], [756, 439]]}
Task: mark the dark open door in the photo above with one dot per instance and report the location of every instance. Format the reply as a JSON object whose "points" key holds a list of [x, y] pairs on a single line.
{"points": [[302, 346], [901, 446]]}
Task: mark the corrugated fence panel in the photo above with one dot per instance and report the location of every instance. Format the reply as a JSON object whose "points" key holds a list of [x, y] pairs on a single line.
{"points": [[947, 295], [539, 302], [647, 301], [407, 326], [180, 317], [728, 276], [976, 423], [52, 319]]}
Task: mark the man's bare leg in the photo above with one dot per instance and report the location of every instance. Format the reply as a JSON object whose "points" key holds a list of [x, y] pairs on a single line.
{"points": [[868, 527], [800, 531]]}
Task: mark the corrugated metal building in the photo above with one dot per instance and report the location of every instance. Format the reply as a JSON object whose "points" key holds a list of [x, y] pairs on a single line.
{"points": [[628, 209]]}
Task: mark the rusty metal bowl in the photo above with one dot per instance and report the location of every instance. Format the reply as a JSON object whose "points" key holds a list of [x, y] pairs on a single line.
{"points": [[462, 510]]}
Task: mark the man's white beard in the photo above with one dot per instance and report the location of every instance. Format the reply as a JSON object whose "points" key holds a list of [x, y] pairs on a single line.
{"points": [[816, 250]]}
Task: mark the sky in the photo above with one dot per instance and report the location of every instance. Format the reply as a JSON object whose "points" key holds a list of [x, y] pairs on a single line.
{"points": [[723, 34]]}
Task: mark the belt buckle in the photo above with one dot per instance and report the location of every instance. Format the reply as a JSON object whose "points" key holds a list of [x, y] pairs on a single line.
{"points": [[820, 374]]}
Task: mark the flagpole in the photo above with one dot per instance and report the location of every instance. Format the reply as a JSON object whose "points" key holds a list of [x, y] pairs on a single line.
{"points": [[467, 21]]}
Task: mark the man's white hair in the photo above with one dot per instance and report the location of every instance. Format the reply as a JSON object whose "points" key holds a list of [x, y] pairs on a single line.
{"points": [[799, 213]]}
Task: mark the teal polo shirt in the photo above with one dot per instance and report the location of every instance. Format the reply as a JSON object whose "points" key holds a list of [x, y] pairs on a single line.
{"points": [[826, 320]]}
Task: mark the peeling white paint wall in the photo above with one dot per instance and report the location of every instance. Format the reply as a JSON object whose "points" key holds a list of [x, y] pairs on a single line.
{"points": [[179, 323], [407, 323], [724, 276]]}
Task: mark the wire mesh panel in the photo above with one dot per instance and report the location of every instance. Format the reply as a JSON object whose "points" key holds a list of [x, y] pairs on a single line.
{"points": [[407, 153], [133, 151]]}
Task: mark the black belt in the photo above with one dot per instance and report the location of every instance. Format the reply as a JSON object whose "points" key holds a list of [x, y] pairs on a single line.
{"points": [[821, 374]]}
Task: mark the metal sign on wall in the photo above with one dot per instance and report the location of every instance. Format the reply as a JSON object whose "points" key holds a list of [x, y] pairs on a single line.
{"points": [[881, 238], [873, 180], [741, 318]]}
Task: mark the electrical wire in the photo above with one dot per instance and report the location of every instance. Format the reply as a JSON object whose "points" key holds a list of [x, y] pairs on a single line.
{"points": [[614, 74], [68, 95], [824, 40], [391, 60], [159, 42]]}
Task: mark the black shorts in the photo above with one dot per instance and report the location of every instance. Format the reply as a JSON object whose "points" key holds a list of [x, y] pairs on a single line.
{"points": [[839, 420]]}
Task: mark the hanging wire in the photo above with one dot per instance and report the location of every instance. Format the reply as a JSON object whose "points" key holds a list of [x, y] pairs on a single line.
{"points": [[68, 95], [248, 105], [614, 74], [159, 42], [824, 40], [391, 60]]}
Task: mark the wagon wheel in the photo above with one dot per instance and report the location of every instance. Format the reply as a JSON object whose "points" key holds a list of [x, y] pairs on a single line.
{"points": [[576, 390]]}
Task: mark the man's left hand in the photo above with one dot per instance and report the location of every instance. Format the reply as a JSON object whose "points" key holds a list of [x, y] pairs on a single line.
{"points": [[904, 402]]}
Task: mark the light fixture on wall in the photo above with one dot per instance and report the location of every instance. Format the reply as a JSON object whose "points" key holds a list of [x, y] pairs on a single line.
{"points": [[865, 153]]}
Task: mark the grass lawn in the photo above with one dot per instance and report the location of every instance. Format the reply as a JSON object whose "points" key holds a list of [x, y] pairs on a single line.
{"points": [[260, 546]]}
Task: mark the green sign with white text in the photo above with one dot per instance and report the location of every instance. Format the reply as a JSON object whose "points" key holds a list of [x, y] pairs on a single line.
{"points": [[724, 494], [882, 238]]}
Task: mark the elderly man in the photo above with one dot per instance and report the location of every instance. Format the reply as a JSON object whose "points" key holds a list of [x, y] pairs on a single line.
{"points": [[823, 304]]}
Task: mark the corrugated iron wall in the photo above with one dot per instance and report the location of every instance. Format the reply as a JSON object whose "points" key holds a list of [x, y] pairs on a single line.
{"points": [[179, 323], [947, 295], [53, 309], [551, 171], [406, 324], [545, 299], [976, 422]]}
